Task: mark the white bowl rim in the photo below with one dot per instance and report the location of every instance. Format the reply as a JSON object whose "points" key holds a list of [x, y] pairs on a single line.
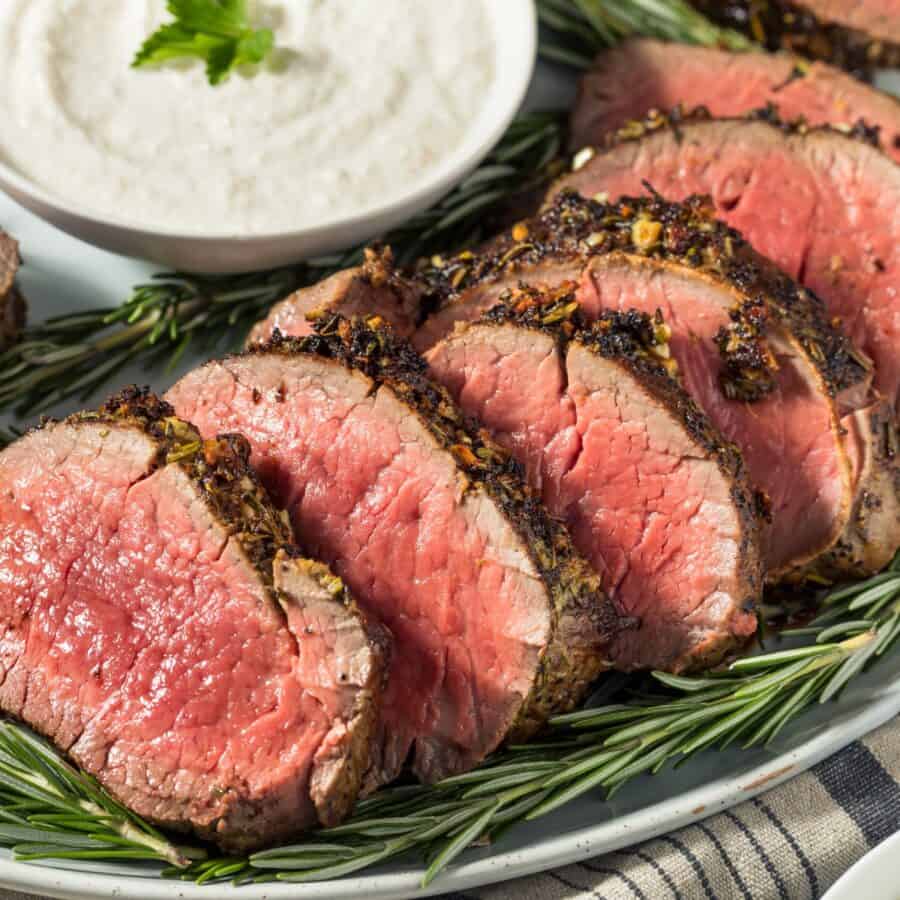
{"points": [[522, 18]]}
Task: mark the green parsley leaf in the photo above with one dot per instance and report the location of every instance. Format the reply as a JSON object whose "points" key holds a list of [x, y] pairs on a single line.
{"points": [[216, 31]]}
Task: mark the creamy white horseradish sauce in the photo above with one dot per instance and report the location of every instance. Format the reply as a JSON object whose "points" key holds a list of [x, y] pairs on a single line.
{"points": [[358, 102]]}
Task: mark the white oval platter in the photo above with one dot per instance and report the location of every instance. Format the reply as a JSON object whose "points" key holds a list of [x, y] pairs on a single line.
{"points": [[63, 274]]}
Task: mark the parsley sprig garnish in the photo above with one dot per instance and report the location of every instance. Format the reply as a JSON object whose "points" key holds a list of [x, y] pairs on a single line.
{"points": [[216, 31]]}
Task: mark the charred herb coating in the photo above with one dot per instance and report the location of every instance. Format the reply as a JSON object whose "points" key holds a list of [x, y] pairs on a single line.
{"points": [[574, 229], [640, 344], [571, 661], [678, 117], [780, 25], [750, 368], [220, 467]]}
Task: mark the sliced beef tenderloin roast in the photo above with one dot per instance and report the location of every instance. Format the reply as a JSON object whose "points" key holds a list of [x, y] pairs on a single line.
{"points": [[161, 629], [857, 35], [376, 286], [754, 351], [497, 622], [651, 493], [662, 76], [825, 206], [12, 304]]}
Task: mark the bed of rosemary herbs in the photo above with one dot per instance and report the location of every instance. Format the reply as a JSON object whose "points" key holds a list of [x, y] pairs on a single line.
{"points": [[49, 810]]}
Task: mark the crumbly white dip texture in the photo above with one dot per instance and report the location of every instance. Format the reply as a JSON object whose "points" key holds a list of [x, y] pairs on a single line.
{"points": [[361, 99]]}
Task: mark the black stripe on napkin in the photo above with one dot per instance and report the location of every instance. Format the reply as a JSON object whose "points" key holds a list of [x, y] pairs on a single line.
{"points": [[650, 861], [742, 887], [769, 813], [767, 863], [695, 863], [628, 882], [864, 789]]}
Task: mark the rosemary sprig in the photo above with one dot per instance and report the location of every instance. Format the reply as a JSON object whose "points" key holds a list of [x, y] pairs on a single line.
{"points": [[76, 354], [50, 810], [579, 29], [749, 704]]}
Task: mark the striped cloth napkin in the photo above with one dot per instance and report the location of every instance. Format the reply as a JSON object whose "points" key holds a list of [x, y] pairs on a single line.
{"points": [[791, 843]]}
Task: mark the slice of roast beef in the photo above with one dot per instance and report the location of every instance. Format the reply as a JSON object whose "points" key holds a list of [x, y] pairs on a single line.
{"points": [[823, 205], [497, 622], [662, 76], [375, 287], [161, 629], [651, 493], [12, 303], [754, 350], [857, 35]]}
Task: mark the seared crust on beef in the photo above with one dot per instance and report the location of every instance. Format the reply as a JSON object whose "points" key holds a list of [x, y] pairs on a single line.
{"points": [[678, 117], [873, 531], [220, 469], [781, 25], [575, 229], [640, 345], [582, 617]]}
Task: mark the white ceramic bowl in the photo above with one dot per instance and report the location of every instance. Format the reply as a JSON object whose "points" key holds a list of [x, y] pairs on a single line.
{"points": [[515, 26]]}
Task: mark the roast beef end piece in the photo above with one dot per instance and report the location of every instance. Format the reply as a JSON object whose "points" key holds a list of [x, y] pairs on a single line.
{"points": [[143, 572], [662, 76], [652, 495], [497, 622], [374, 288]]}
